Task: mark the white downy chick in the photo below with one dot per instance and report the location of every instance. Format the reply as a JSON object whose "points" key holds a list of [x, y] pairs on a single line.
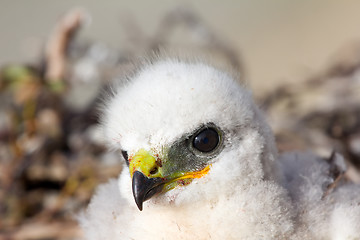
{"points": [[202, 164]]}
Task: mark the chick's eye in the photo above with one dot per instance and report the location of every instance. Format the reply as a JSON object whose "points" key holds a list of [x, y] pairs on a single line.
{"points": [[126, 157], [206, 140]]}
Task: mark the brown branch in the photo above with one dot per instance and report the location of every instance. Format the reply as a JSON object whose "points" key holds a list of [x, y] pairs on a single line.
{"points": [[58, 43]]}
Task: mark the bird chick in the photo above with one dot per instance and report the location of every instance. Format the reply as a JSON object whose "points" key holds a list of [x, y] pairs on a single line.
{"points": [[201, 163]]}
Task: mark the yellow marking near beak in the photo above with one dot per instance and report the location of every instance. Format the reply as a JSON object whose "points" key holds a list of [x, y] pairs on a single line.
{"points": [[148, 165], [197, 174], [144, 162], [185, 179]]}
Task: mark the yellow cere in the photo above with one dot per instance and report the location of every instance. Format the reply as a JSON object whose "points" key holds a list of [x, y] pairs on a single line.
{"points": [[144, 162]]}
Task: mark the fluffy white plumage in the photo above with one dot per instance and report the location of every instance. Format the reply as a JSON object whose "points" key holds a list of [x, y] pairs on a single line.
{"points": [[249, 192]]}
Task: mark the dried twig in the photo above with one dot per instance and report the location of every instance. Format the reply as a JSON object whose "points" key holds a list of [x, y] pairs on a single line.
{"points": [[336, 171], [58, 43]]}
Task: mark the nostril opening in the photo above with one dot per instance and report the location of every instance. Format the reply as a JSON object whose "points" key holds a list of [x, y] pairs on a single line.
{"points": [[154, 170]]}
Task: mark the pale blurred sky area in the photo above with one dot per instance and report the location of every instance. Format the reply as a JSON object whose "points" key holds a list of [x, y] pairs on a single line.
{"points": [[279, 40]]}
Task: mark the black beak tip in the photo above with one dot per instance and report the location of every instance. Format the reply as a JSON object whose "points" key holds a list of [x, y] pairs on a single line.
{"points": [[139, 205], [144, 188], [137, 189]]}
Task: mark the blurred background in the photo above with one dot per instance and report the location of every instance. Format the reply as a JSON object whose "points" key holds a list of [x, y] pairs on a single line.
{"points": [[300, 58], [280, 40]]}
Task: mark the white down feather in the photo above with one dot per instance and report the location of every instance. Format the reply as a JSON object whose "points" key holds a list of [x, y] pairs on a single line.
{"points": [[249, 193]]}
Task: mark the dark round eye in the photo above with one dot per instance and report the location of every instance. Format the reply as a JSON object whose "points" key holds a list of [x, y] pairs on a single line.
{"points": [[126, 157], [206, 140]]}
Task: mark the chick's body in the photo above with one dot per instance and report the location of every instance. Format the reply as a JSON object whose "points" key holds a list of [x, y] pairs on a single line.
{"points": [[246, 192]]}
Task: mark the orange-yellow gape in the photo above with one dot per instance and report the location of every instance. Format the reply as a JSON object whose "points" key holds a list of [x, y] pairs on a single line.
{"points": [[148, 179]]}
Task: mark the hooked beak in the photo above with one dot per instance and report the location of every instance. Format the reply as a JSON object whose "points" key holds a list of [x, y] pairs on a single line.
{"points": [[148, 177], [144, 188]]}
